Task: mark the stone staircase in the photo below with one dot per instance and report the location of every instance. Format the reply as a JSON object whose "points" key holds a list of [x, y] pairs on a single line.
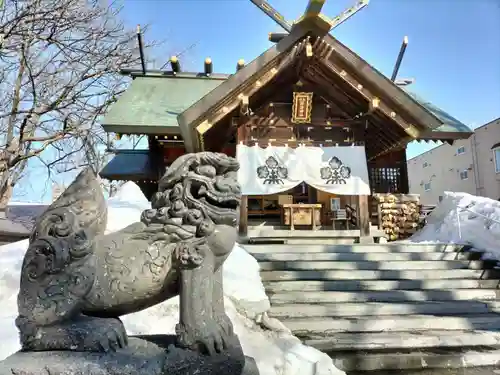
{"points": [[383, 307]]}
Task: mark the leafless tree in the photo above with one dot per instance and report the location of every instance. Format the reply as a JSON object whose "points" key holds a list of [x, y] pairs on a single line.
{"points": [[59, 64]]}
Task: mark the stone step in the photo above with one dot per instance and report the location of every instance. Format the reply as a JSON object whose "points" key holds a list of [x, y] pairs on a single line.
{"points": [[378, 275], [307, 327], [364, 285], [356, 257], [404, 340], [373, 265], [264, 232], [438, 308], [469, 362], [355, 248], [385, 296]]}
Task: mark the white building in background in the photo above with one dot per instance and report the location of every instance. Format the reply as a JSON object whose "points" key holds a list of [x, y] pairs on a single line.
{"points": [[469, 165]]}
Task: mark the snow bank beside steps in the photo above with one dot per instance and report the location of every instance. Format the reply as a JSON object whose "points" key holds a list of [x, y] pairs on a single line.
{"points": [[464, 219], [276, 352]]}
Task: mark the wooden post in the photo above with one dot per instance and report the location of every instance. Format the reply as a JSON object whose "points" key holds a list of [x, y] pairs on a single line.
{"points": [[364, 218], [405, 185], [243, 226]]}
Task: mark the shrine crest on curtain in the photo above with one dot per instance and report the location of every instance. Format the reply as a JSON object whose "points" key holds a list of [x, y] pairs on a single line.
{"points": [[272, 170]]}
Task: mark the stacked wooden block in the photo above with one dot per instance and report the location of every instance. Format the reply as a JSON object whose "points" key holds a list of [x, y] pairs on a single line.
{"points": [[398, 214]]}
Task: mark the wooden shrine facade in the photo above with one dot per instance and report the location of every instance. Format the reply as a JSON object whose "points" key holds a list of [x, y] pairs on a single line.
{"points": [[339, 107], [308, 89]]}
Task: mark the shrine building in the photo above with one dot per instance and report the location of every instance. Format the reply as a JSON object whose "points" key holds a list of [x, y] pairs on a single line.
{"points": [[320, 134]]}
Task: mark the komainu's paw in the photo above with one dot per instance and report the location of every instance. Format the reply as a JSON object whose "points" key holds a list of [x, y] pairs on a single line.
{"points": [[207, 339], [225, 323], [82, 334], [108, 335]]}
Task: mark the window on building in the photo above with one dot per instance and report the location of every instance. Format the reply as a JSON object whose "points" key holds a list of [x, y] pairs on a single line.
{"points": [[427, 186], [461, 150], [440, 199], [464, 175], [496, 153], [425, 165]]}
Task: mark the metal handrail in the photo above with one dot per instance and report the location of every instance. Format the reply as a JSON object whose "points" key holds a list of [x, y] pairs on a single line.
{"points": [[467, 208]]}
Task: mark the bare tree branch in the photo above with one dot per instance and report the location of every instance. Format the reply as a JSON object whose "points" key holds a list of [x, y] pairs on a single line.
{"points": [[59, 73]]}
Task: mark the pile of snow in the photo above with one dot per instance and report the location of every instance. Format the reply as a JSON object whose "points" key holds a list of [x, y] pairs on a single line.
{"points": [[126, 206], [464, 219], [275, 350]]}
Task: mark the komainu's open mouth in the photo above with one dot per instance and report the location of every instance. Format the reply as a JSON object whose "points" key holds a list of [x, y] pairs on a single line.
{"points": [[226, 200]]}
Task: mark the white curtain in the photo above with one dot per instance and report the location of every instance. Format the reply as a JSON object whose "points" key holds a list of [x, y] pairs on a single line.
{"points": [[337, 170], [267, 171]]}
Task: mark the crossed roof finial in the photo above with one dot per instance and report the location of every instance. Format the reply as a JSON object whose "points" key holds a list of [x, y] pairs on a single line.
{"points": [[312, 15]]}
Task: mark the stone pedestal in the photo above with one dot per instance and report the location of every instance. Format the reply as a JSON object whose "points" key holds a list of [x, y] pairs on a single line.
{"points": [[145, 355]]}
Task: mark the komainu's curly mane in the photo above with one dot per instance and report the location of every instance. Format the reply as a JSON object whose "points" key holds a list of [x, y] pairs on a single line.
{"points": [[196, 193]]}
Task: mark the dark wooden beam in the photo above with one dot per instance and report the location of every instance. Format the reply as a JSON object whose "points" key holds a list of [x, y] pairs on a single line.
{"points": [[434, 135], [234, 85], [330, 92], [243, 224], [264, 142], [378, 136], [380, 84], [354, 105], [385, 107], [319, 122], [390, 134], [263, 79], [359, 104], [400, 144], [277, 37], [405, 184]]}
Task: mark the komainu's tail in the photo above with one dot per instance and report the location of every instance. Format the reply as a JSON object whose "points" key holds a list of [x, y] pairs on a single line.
{"points": [[80, 206], [58, 268]]}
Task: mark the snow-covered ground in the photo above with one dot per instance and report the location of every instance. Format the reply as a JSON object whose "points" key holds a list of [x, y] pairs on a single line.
{"points": [[276, 351], [464, 219]]}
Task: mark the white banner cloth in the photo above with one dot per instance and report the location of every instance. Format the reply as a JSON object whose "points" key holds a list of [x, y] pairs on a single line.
{"points": [[268, 170], [337, 170]]}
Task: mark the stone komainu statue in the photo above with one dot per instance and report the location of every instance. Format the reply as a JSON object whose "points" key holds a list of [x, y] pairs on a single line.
{"points": [[76, 282]]}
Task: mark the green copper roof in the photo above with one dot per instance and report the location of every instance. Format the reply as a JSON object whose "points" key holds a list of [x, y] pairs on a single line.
{"points": [[153, 102], [130, 165], [450, 123]]}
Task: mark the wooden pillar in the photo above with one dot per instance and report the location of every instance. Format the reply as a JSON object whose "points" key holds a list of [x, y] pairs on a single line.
{"points": [[364, 218], [243, 226], [405, 185]]}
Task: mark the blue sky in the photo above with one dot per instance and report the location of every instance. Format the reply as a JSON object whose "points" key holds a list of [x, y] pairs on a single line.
{"points": [[453, 51]]}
